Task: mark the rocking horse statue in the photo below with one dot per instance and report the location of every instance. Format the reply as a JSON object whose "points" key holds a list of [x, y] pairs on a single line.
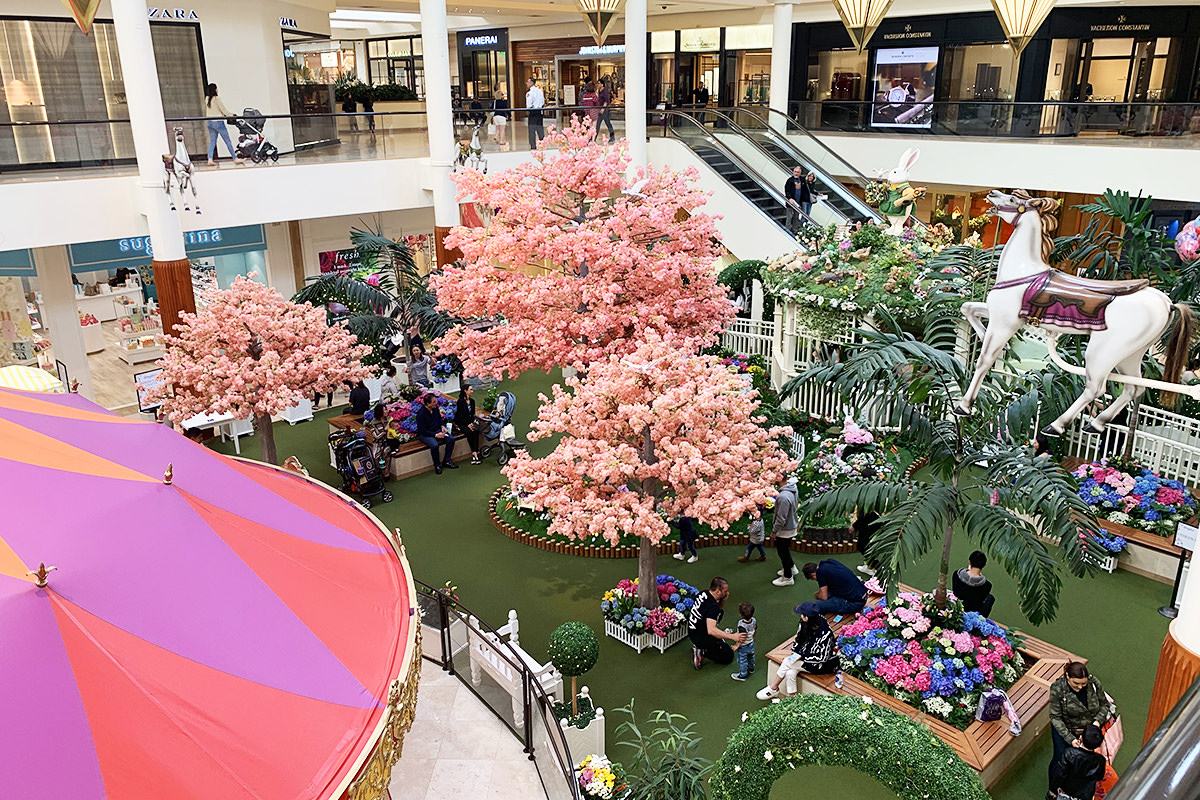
{"points": [[177, 169], [471, 155], [1122, 318]]}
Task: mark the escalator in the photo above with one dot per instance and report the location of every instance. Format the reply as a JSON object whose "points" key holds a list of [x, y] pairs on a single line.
{"points": [[823, 183], [738, 178]]}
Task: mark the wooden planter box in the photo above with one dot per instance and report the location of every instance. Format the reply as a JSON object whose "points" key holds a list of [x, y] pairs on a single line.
{"points": [[987, 747], [645, 641], [1147, 554]]}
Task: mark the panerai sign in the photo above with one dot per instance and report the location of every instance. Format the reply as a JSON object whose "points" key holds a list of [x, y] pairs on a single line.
{"points": [[481, 41], [171, 13], [1121, 27], [288, 22]]}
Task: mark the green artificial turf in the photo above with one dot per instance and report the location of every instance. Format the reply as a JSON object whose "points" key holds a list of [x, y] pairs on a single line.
{"points": [[1110, 619]]}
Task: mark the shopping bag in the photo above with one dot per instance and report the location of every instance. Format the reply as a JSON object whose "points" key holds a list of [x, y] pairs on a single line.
{"points": [[1114, 735], [1105, 784], [491, 129]]}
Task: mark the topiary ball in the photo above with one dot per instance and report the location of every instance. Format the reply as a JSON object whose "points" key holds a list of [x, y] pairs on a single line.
{"points": [[574, 648]]}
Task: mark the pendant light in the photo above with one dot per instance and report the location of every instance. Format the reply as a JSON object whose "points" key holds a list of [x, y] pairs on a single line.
{"points": [[600, 16], [84, 11], [861, 18], [1021, 19]]}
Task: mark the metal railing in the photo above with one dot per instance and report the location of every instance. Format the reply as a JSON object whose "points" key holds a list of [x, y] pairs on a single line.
{"points": [[538, 730], [1175, 122]]}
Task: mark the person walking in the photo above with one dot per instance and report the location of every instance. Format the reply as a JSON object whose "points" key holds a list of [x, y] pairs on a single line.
{"points": [[500, 112], [839, 591], [349, 106], [756, 534], [1076, 700], [368, 104], [813, 650], [783, 530], [709, 642], [431, 432], [535, 101], [591, 104], [1080, 769], [687, 540], [606, 101], [797, 192], [700, 99], [217, 115], [745, 654]]}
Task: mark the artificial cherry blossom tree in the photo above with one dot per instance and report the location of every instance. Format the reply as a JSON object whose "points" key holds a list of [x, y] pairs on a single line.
{"points": [[579, 259], [253, 353], [648, 437]]}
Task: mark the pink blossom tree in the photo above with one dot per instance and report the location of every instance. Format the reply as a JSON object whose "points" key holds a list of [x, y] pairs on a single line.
{"points": [[252, 353], [579, 259], [647, 437]]}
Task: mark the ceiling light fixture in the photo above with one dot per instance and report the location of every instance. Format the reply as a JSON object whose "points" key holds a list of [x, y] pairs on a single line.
{"points": [[861, 18], [1021, 19], [600, 16]]}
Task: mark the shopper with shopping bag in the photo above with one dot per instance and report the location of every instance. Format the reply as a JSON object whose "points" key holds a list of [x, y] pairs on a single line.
{"points": [[1076, 774], [1076, 700]]}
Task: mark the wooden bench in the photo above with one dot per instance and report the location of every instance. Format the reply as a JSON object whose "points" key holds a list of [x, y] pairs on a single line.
{"points": [[411, 458], [987, 747]]}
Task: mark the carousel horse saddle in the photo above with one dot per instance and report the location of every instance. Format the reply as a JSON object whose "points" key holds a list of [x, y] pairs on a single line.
{"points": [[1061, 299]]}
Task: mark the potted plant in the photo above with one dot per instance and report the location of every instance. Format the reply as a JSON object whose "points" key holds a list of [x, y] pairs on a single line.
{"points": [[573, 650], [600, 778], [630, 622]]}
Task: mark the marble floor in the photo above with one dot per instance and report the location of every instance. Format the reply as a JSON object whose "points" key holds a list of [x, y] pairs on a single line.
{"points": [[458, 748]]}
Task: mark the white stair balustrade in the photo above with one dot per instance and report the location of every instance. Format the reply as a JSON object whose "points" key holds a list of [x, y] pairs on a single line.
{"points": [[494, 653]]}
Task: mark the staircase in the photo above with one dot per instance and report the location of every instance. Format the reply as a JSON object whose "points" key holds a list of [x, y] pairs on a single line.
{"points": [[739, 178]]}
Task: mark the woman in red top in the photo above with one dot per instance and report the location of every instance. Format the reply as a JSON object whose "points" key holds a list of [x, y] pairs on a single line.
{"points": [[591, 101]]}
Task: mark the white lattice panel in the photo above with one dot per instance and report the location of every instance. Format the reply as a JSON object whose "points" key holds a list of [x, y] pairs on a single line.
{"points": [[752, 337]]}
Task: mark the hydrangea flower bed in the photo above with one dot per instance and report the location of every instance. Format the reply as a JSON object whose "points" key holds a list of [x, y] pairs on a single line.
{"points": [[853, 453], [938, 661], [1134, 497], [404, 413], [620, 605]]}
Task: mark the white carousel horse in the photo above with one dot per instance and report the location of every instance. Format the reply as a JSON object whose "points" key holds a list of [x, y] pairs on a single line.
{"points": [[178, 168], [1122, 318], [471, 155]]}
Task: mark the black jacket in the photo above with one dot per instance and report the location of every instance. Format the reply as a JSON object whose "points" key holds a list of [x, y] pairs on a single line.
{"points": [[972, 596], [1077, 773], [360, 399], [430, 423], [789, 189], [464, 412]]}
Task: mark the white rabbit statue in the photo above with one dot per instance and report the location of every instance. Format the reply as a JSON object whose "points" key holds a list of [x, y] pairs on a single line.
{"points": [[898, 204]]}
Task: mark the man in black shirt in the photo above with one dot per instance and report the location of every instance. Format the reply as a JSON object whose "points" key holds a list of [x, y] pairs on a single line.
{"points": [[431, 431], [797, 193], [972, 588], [704, 631], [360, 398]]}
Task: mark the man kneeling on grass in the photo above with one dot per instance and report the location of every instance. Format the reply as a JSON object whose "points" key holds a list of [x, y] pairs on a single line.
{"points": [[708, 640]]}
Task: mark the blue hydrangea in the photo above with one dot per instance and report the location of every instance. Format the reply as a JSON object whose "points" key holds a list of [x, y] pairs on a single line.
{"points": [[675, 597]]}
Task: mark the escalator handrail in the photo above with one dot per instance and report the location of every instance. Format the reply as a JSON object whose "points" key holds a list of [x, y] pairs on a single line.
{"points": [[720, 146], [832, 183]]}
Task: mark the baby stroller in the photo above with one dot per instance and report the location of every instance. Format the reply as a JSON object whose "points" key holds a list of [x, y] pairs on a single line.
{"points": [[499, 434], [251, 142], [358, 466]]}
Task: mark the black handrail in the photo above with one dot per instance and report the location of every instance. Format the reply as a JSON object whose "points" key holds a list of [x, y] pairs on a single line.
{"points": [[533, 695]]}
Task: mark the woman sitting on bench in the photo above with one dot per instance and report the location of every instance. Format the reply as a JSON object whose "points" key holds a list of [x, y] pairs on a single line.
{"points": [[814, 651]]}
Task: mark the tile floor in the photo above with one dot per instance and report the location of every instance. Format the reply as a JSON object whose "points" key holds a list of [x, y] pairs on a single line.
{"points": [[458, 748]]}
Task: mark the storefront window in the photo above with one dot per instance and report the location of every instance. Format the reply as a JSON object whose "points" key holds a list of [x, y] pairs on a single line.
{"points": [[325, 60], [1115, 70], [978, 72], [663, 90], [397, 61], [754, 77], [837, 75], [50, 71]]}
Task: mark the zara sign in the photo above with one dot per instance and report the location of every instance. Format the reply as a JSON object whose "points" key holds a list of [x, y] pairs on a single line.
{"points": [[171, 13], [288, 22]]}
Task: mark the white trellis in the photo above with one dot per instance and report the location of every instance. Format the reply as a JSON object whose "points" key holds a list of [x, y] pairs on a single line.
{"points": [[1165, 442], [752, 337]]}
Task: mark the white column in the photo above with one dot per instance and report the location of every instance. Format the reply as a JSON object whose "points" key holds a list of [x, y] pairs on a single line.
{"points": [[635, 80], [281, 272], [147, 121], [62, 316], [438, 114], [1186, 627], [781, 56]]}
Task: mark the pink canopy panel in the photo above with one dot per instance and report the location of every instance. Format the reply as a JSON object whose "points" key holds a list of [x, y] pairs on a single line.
{"points": [[230, 635]]}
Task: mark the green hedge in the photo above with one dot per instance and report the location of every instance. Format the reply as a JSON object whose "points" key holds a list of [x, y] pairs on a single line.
{"points": [[844, 732]]}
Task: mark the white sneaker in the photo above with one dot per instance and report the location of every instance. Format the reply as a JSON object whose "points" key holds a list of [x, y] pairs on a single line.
{"points": [[693, 559], [795, 571], [679, 556], [783, 581], [865, 570], [766, 694]]}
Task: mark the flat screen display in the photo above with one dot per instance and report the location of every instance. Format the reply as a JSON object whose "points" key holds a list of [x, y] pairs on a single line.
{"points": [[905, 87], [145, 382]]}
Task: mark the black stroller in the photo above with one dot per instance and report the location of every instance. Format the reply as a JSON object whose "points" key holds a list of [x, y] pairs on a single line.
{"points": [[494, 434], [359, 466], [251, 142]]}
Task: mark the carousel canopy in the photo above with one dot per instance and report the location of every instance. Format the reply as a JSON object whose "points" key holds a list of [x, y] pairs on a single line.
{"points": [[232, 634]]}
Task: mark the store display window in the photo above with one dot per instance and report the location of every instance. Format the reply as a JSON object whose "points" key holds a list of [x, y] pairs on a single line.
{"points": [[1112, 70], [325, 60], [397, 60], [978, 72]]}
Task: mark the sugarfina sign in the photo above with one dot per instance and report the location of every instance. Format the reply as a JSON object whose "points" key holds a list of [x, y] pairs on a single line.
{"points": [[171, 13], [137, 250], [142, 244]]}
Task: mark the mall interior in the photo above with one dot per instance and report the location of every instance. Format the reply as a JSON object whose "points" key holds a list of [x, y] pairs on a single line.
{"points": [[352, 116]]}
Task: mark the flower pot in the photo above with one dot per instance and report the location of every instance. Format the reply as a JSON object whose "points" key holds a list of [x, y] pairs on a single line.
{"points": [[586, 740], [643, 641]]}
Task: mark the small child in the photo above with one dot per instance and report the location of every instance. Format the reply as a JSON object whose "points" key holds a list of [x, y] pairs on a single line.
{"points": [[745, 654], [757, 534]]}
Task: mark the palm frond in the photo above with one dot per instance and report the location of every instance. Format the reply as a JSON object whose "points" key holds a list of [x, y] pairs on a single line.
{"points": [[909, 529], [1013, 541], [353, 293]]}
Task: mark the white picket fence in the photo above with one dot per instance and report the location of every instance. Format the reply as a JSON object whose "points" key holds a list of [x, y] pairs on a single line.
{"points": [[1165, 442], [751, 337]]}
